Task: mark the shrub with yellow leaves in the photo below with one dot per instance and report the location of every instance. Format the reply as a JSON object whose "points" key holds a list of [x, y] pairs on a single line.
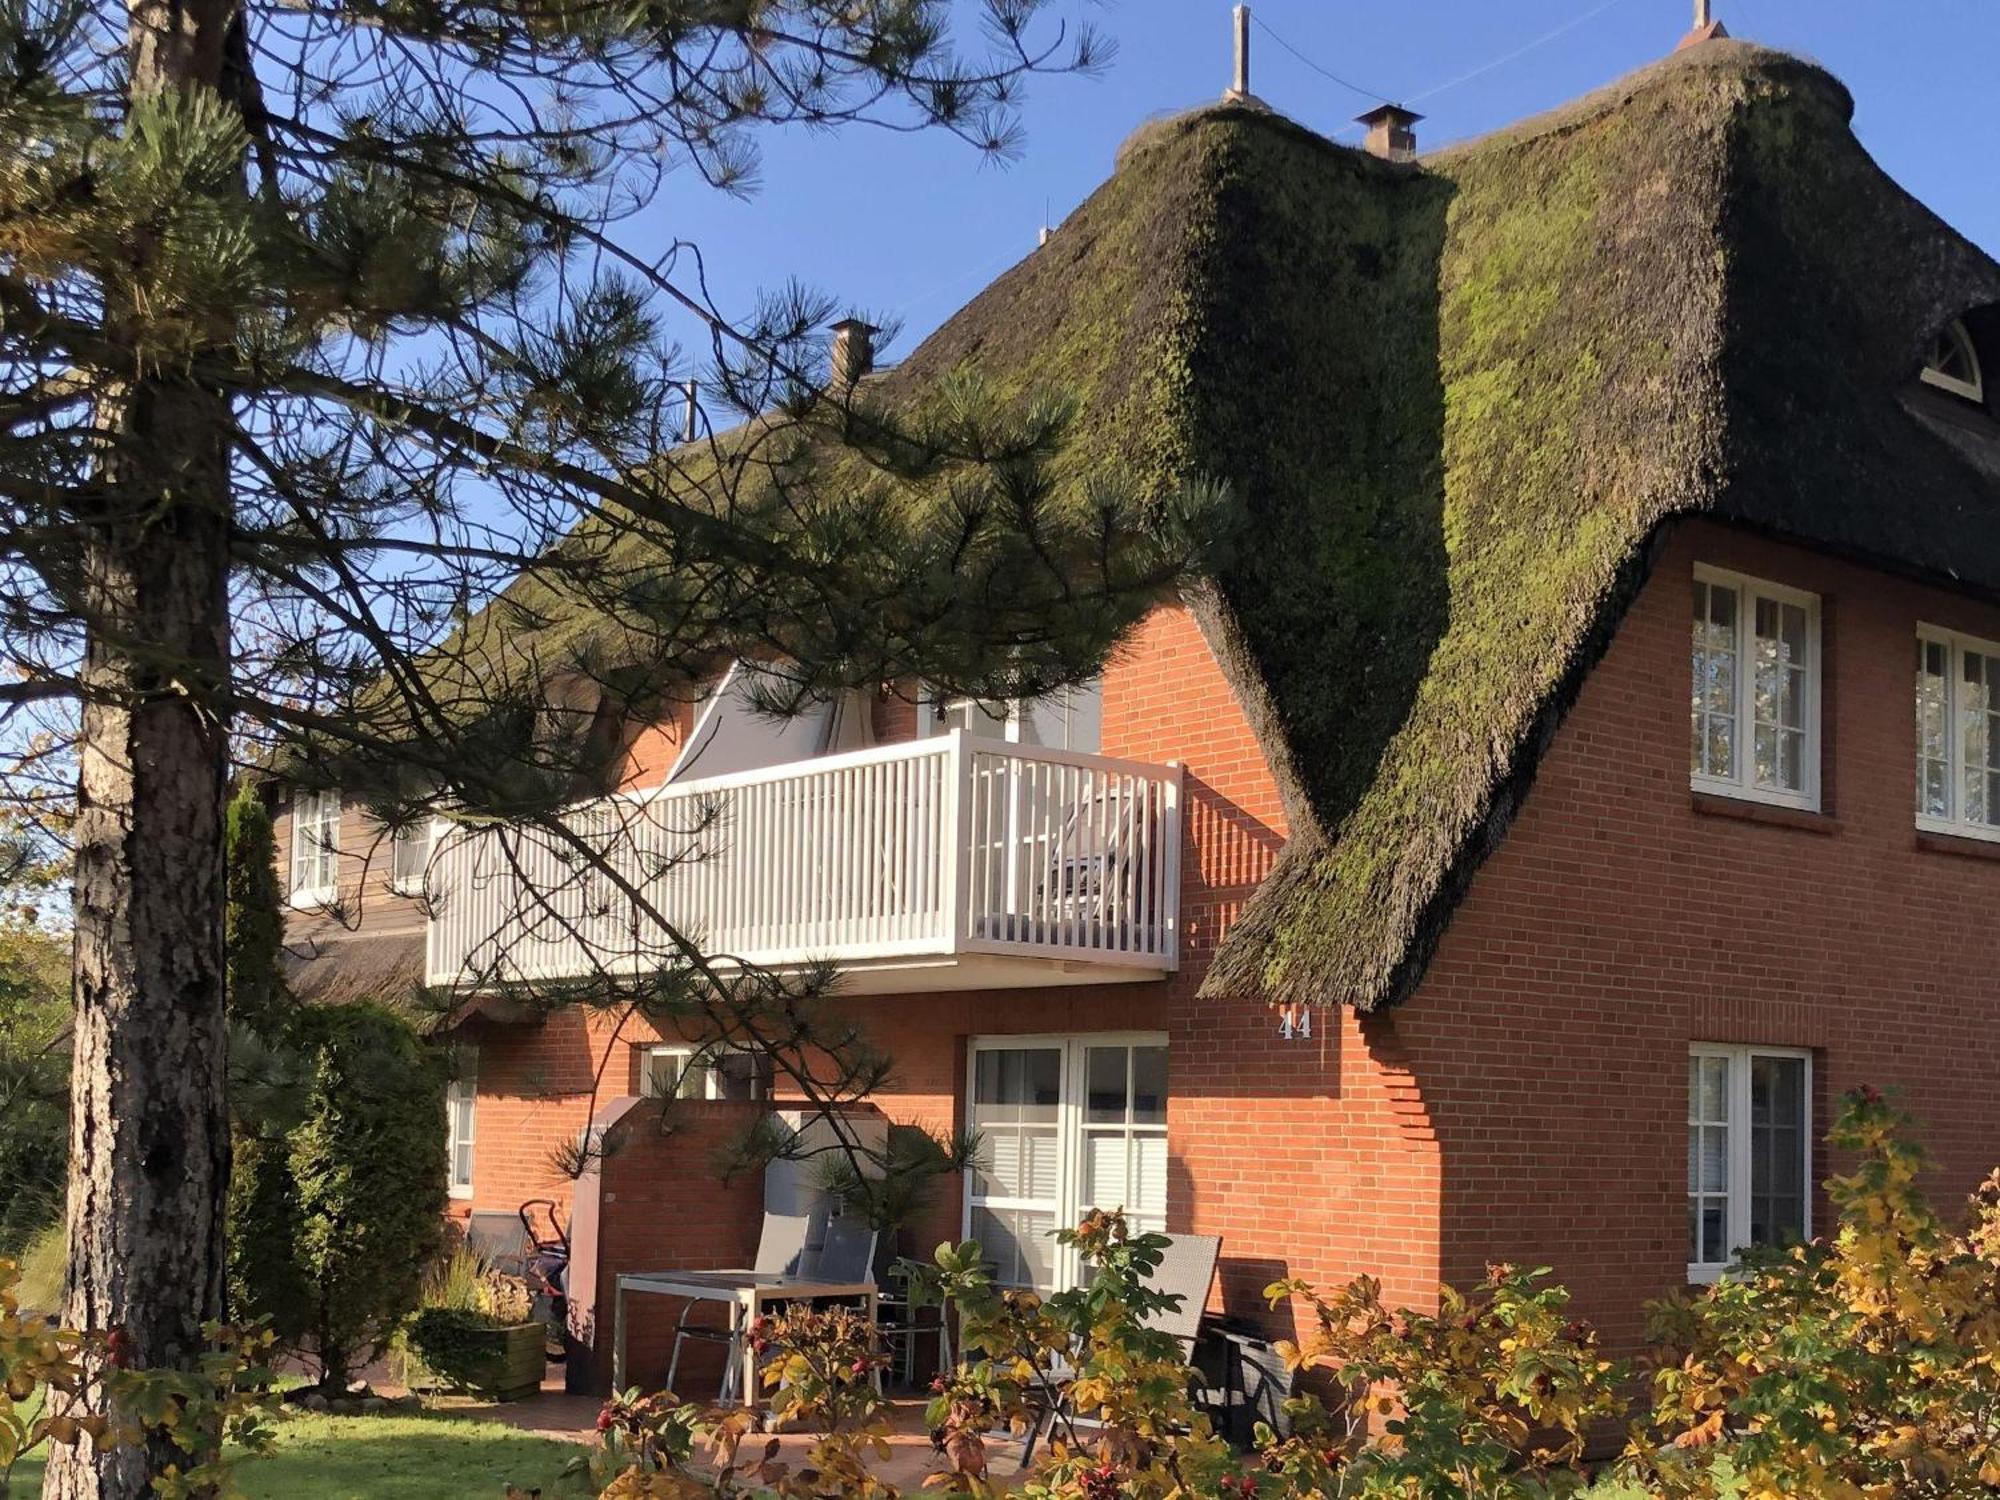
{"points": [[1862, 1366], [1494, 1395], [59, 1386], [818, 1367]]}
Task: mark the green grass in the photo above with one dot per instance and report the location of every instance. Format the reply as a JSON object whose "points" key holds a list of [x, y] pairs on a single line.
{"points": [[388, 1458]]}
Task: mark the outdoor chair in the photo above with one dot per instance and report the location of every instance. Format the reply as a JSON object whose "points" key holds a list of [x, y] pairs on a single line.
{"points": [[900, 1323], [500, 1239], [1089, 859], [1187, 1267], [846, 1254], [781, 1250]]}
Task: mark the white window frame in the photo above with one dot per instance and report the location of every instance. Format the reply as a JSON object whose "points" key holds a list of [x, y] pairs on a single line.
{"points": [[464, 1089], [686, 1052], [307, 863], [1955, 644], [1737, 1220], [1072, 1131], [1973, 389], [401, 883], [1741, 786]]}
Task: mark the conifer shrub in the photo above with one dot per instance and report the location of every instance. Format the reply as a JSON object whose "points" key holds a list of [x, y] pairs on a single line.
{"points": [[334, 1218]]}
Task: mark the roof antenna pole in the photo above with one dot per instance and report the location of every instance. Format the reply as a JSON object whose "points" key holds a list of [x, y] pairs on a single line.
{"points": [[1240, 89]]}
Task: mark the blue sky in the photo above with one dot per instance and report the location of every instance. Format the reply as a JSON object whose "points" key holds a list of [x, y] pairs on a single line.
{"points": [[914, 226]]}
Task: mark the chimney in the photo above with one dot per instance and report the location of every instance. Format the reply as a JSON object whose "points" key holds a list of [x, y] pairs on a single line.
{"points": [[853, 352], [1392, 132], [691, 416], [1706, 26], [1238, 91], [1239, 87]]}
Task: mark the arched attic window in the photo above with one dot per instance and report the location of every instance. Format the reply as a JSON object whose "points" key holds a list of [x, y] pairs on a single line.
{"points": [[1953, 364]]}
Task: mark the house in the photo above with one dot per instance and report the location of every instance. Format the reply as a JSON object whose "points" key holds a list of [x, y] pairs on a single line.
{"points": [[1586, 768]]}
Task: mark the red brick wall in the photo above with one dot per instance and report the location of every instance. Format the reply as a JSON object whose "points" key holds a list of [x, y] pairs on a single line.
{"points": [[535, 1098], [662, 1205], [1528, 1103], [1620, 920], [651, 749]]}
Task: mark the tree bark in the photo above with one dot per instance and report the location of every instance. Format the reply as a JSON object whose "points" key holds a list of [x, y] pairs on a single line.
{"points": [[149, 1135]]}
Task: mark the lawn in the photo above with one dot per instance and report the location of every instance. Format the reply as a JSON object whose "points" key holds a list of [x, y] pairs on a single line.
{"points": [[389, 1458]]}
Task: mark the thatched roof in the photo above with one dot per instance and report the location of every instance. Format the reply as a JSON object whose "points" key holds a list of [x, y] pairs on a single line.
{"points": [[387, 967], [1456, 403], [1459, 401]]}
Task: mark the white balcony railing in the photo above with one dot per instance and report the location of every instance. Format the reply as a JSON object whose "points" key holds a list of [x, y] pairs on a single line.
{"points": [[942, 850]]}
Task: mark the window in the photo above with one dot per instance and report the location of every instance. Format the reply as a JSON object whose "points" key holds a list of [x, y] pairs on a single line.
{"points": [[687, 1072], [460, 1097], [1954, 364], [1071, 719], [1749, 1152], [409, 858], [1958, 735], [1753, 715], [1066, 1124], [315, 846]]}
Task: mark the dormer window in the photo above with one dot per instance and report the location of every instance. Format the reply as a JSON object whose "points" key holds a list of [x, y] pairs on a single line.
{"points": [[1954, 364]]}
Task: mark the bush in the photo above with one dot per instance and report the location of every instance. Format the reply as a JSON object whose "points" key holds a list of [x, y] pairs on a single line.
{"points": [[43, 1264], [58, 1385], [1867, 1364], [1862, 1366], [334, 1219], [34, 1082]]}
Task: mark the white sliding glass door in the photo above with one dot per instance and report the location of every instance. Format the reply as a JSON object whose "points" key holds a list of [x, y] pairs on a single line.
{"points": [[1066, 1124]]}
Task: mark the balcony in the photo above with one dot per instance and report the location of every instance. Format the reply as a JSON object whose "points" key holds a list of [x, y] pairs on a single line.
{"points": [[943, 864]]}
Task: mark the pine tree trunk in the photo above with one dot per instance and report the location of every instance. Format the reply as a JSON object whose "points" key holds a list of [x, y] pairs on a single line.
{"points": [[149, 1139]]}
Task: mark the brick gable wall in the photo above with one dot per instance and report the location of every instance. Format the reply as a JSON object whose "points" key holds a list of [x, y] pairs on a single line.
{"points": [[1529, 1102], [1623, 918]]}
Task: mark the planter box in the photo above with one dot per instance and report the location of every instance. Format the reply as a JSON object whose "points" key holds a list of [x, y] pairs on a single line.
{"points": [[504, 1364]]}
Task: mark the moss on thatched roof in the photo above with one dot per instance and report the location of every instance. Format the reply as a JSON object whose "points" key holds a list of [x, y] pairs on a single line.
{"points": [[1458, 402]]}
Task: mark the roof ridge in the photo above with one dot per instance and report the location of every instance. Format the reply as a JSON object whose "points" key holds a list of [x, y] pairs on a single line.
{"points": [[1718, 55]]}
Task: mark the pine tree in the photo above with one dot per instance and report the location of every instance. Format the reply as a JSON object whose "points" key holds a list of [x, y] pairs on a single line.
{"points": [[254, 935], [320, 325]]}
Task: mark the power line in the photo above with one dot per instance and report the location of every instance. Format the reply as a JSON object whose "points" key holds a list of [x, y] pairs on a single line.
{"points": [[1332, 77], [1431, 93], [1521, 51]]}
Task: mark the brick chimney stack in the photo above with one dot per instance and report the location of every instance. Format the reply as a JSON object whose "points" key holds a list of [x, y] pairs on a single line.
{"points": [[853, 352], [1392, 132]]}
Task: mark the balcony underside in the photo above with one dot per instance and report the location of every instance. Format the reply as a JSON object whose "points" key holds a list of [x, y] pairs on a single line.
{"points": [[940, 973]]}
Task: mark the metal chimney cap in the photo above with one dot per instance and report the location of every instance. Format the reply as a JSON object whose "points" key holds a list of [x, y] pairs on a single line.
{"points": [[1388, 114]]}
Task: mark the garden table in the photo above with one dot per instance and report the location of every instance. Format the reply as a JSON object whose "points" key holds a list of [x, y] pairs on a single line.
{"points": [[746, 1292]]}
